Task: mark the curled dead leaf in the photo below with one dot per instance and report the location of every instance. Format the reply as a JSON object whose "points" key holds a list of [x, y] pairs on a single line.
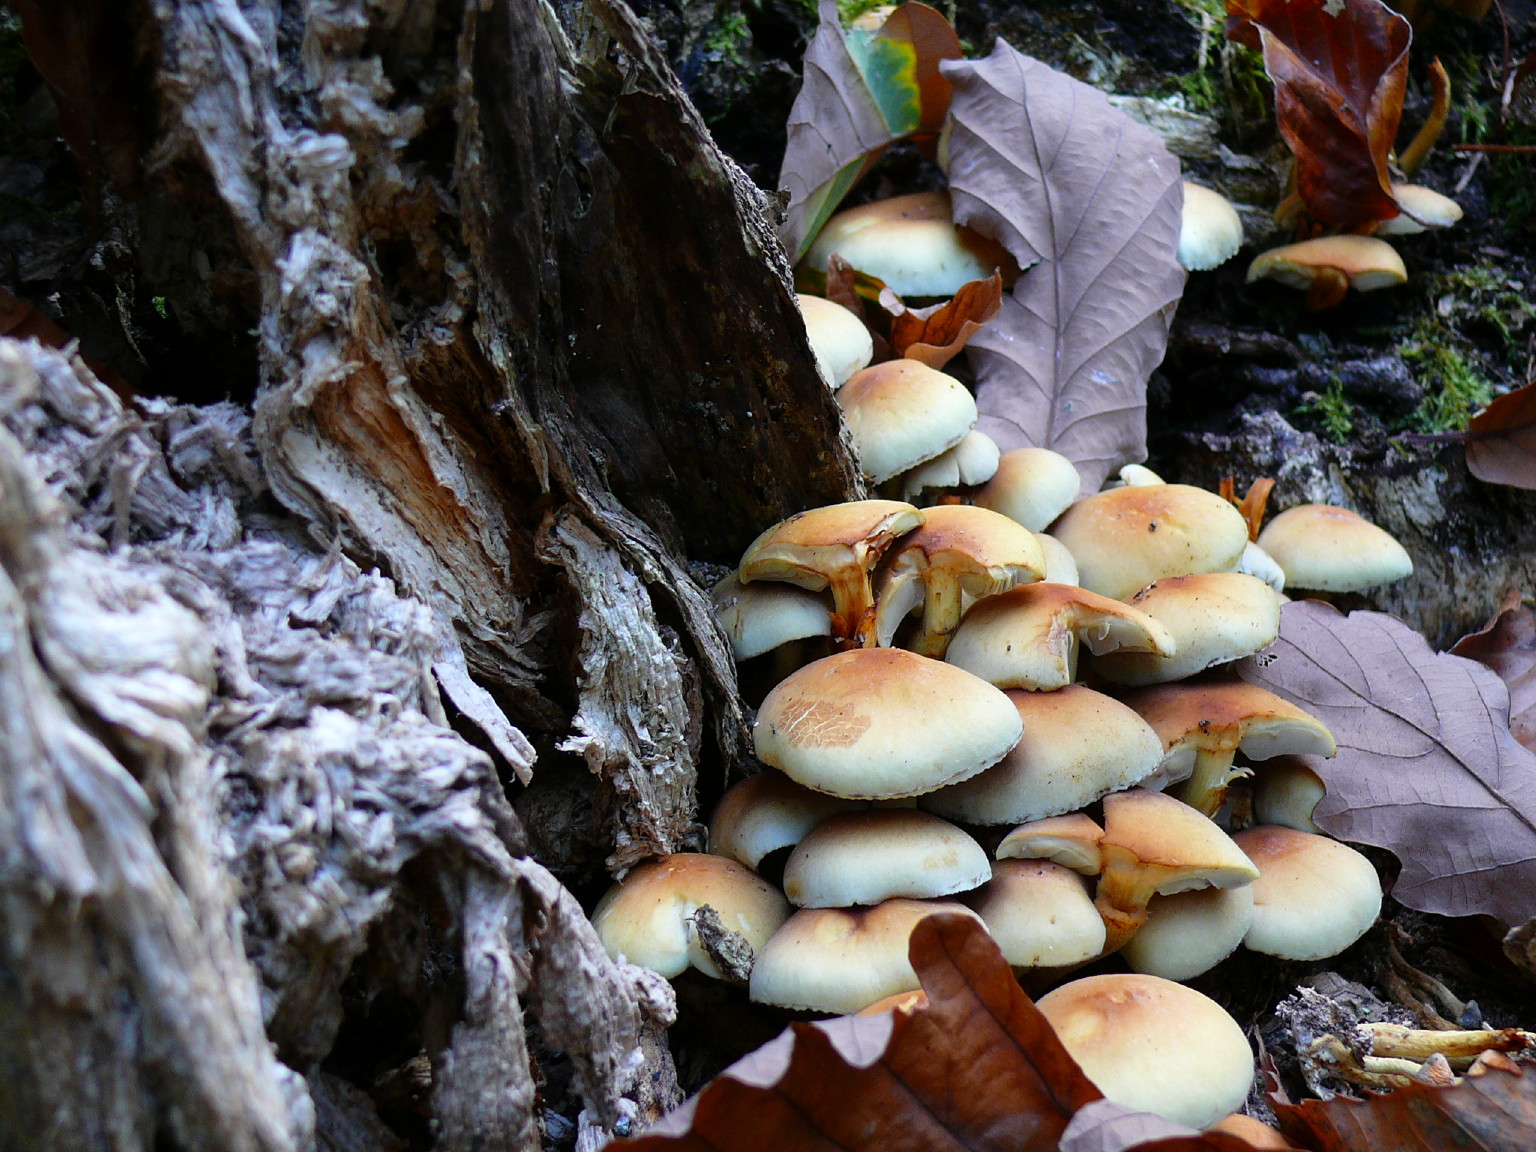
{"points": [[1501, 440], [936, 335]]}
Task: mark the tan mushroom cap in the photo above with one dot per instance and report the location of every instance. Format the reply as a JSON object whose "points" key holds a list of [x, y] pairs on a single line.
{"points": [[1040, 914], [972, 461], [1211, 231], [879, 723], [831, 547], [646, 917], [759, 617], [1330, 549], [1202, 726], [1077, 745], [1154, 1045], [1213, 617], [866, 857], [1156, 845], [1125, 538], [1314, 896], [901, 413], [959, 550], [842, 959], [767, 812], [1029, 636], [1328, 266], [840, 341], [1423, 208], [912, 244], [1071, 840], [1189, 933], [1032, 486]]}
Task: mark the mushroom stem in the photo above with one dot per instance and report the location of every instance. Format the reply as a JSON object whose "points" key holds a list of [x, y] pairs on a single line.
{"points": [[1413, 156], [853, 604], [941, 614], [1328, 288], [1121, 898], [1206, 789]]}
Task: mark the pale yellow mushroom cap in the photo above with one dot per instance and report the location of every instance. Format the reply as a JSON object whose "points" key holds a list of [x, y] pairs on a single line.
{"points": [[1366, 262], [1154, 1045], [1211, 231], [1314, 896], [912, 244], [838, 338], [1423, 208], [901, 413], [1040, 914], [1329, 549], [1032, 486], [767, 812], [1188, 933], [1213, 617], [866, 857]]}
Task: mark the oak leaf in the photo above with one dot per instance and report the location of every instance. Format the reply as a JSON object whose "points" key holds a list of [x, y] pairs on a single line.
{"points": [[1427, 767], [1508, 646], [860, 92], [1492, 1109], [1501, 440], [1340, 69], [979, 1068], [1070, 184]]}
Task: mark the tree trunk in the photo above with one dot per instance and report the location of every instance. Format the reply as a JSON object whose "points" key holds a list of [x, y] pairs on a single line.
{"points": [[281, 674]]}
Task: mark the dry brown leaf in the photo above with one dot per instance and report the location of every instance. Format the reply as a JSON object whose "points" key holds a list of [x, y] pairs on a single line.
{"points": [[1427, 767], [979, 1068], [1340, 69], [935, 336], [1508, 646], [1073, 186], [1493, 1111], [1501, 440]]}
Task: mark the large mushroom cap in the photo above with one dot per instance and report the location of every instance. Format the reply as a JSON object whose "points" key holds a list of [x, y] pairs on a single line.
{"points": [[648, 916], [1154, 1045], [901, 413], [1028, 637], [912, 244], [1125, 538], [1032, 486], [1331, 549], [1040, 914], [1314, 896], [880, 723], [866, 857], [1077, 745], [1213, 617], [842, 959]]}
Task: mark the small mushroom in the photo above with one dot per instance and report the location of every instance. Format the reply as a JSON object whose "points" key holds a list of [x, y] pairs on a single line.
{"points": [[901, 413], [1211, 231], [1188, 933], [766, 813], [1329, 549], [1285, 792], [839, 339], [972, 461], [866, 857], [1032, 486], [1329, 266], [1314, 896], [1071, 840], [1422, 209], [1040, 914]]}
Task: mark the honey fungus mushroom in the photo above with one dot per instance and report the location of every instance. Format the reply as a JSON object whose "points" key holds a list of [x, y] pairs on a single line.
{"points": [[1327, 267]]}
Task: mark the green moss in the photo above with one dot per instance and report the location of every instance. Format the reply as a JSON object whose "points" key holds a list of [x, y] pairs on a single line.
{"points": [[727, 35], [850, 10], [1454, 387], [1334, 409]]}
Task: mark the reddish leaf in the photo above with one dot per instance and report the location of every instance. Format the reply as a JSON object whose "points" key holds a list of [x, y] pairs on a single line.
{"points": [[1070, 184], [1508, 646], [1501, 440], [1427, 767], [935, 335], [21, 321], [1340, 69], [1492, 1111], [978, 1068]]}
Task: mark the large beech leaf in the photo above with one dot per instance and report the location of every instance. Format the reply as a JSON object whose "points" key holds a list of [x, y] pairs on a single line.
{"points": [[861, 91], [979, 1068], [1340, 69], [1072, 185], [1493, 1110], [1501, 440], [1427, 767], [1508, 646]]}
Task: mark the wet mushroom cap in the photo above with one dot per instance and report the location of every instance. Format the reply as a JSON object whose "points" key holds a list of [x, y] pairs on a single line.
{"points": [[881, 723], [767, 812], [646, 917], [901, 413], [912, 244], [1314, 896], [1040, 914], [1329, 549], [842, 959], [839, 339], [1125, 538], [866, 857], [1078, 744], [1032, 486], [1029, 636], [1153, 1045], [1213, 617], [1211, 231]]}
